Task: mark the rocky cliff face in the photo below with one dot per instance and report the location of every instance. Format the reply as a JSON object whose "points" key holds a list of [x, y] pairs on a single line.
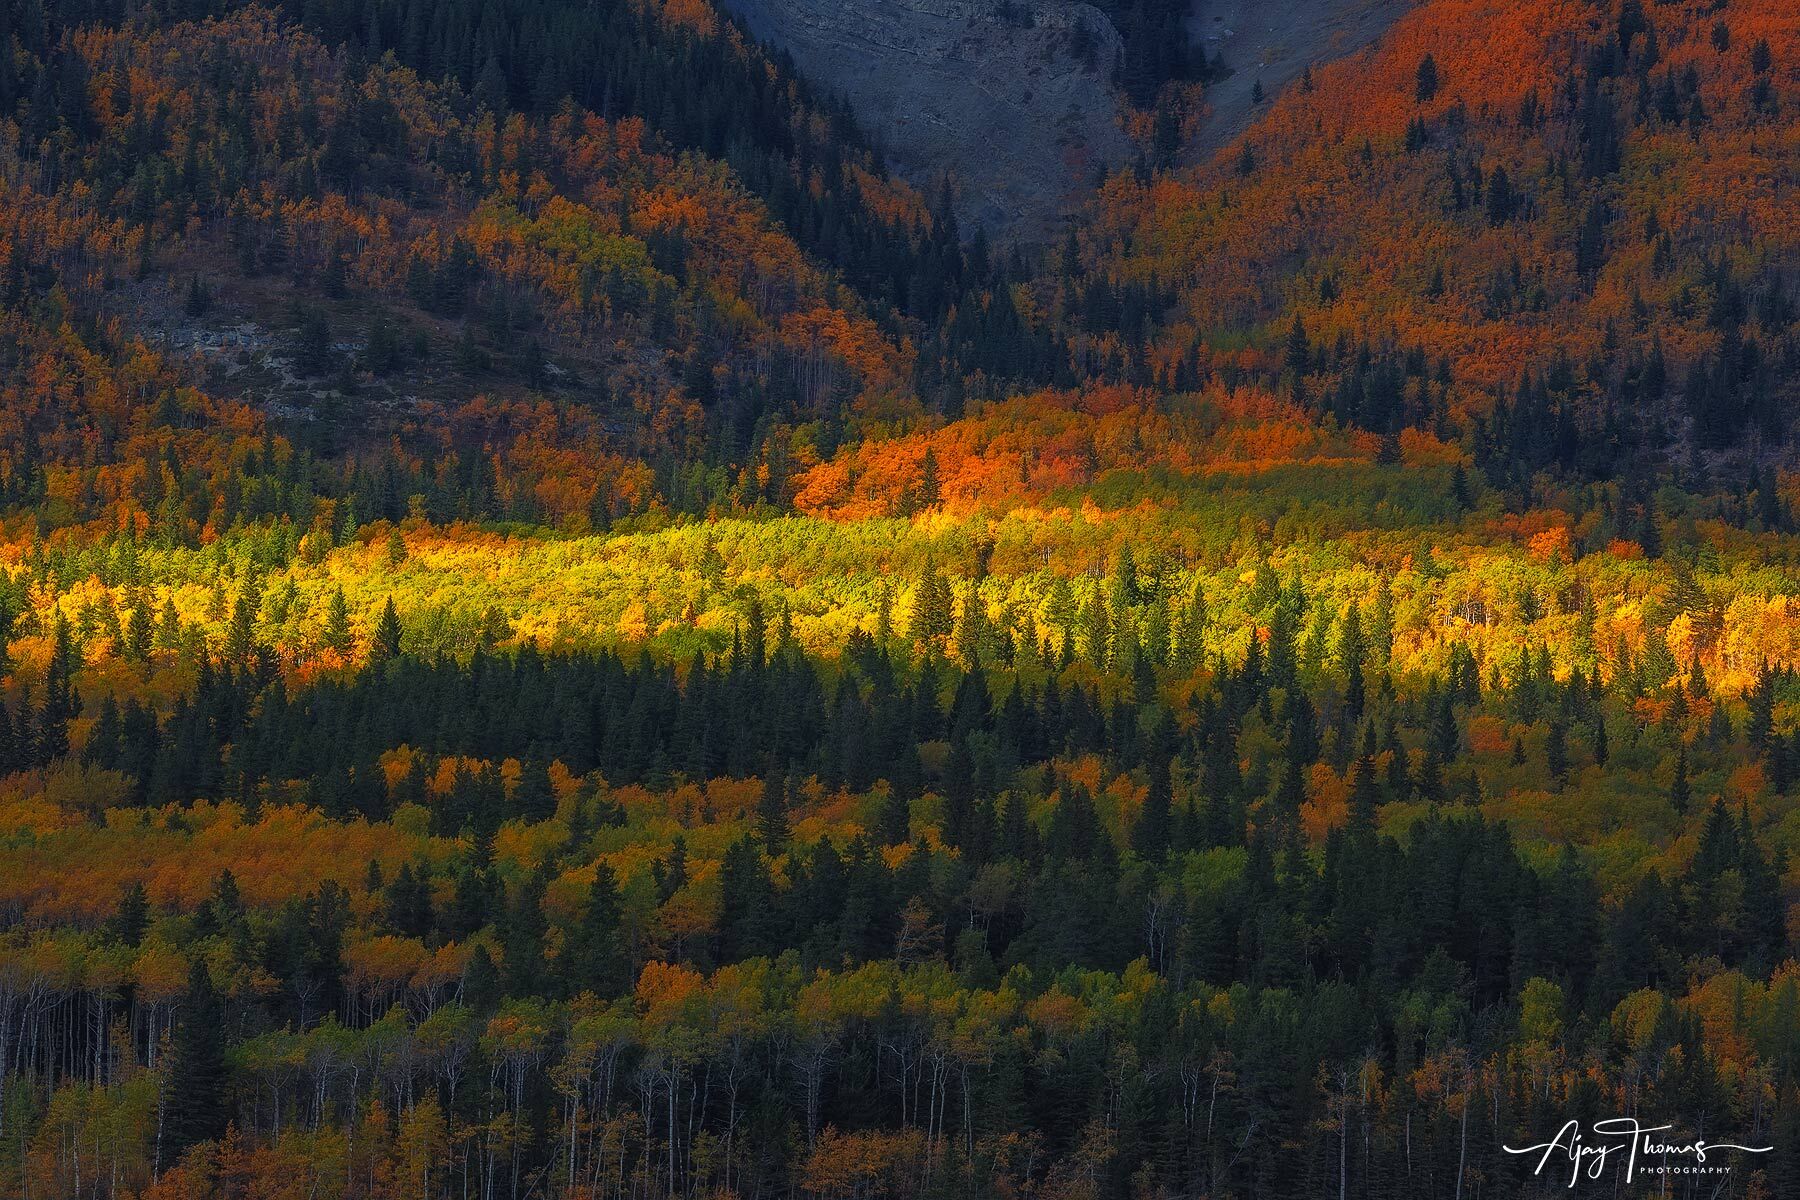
{"points": [[1271, 42], [1009, 97]]}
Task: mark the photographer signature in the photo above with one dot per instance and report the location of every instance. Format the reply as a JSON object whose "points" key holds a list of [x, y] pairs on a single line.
{"points": [[1589, 1155]]}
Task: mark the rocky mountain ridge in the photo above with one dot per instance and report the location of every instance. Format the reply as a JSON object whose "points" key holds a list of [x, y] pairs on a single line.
{"points": [[1012, 100]]}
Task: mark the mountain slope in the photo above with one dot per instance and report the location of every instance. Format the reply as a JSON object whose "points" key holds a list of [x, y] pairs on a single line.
{"points": [[1263, 45], [1013, 102], [1563, 183], [351, 251]]}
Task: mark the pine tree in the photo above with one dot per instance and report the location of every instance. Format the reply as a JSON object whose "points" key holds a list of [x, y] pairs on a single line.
{"points": [[522, 939], [1680, 791], [1352, 649], [133, 918], [932, 615], [1299, 350], [771, 813], [746, 903], [593, 954], [139, 630], [1459, 488], [1761, 702], [1556, 750], [970, 629], [469, 902], [407, 903], [1500, 201], [896, 816], [481, 991], [337, 622], [386, 643], [1150, 836], [930, 490], [533, 797], [671, 872], [959, 796], [197, 1106], [312, 342], [240, 635], [168, 627], [1426, 80], [1365, 789], [103, 749], [1096, 631]]}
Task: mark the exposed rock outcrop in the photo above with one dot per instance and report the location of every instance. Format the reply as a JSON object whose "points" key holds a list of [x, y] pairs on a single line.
{"points": [[1271, 42], [1011, 99]]}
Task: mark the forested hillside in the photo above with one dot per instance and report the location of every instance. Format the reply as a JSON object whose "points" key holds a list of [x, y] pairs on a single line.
{"points": [[564, 635], [1578, 214]]}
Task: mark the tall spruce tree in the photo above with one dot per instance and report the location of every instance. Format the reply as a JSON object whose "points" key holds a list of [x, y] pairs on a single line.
{"points": [[196, 1101]]}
